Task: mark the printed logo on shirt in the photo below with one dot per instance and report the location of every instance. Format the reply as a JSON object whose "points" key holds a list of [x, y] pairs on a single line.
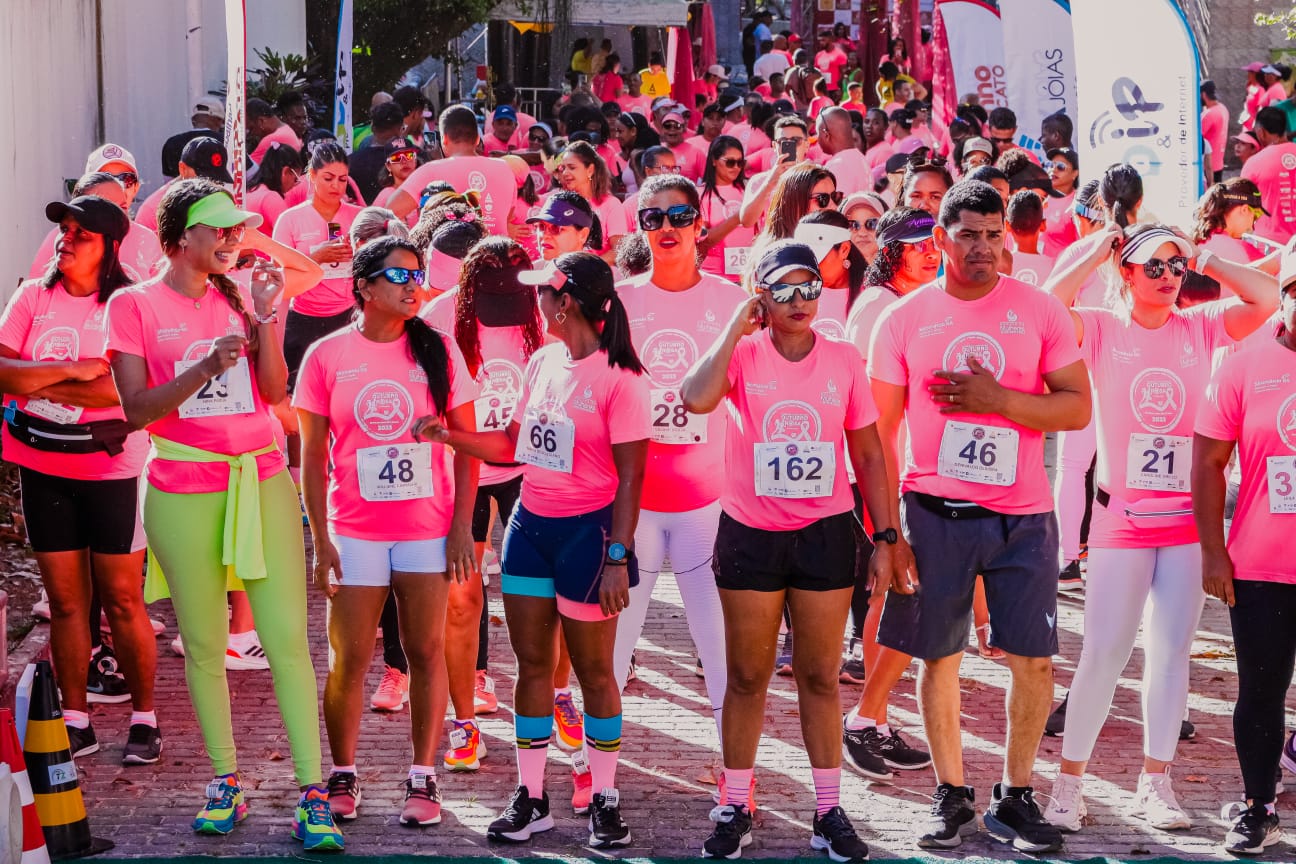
{"points": [[235, 326], [935, 329], [1289, 161], [1287, 422], [830, 396], [384, 409], [171, 334], [197, 350], [98, 319], [476, 181], [982, 346], [791, 420], [417, 375], [829, 328], [668, 355], [342, 376], [501, 381], [1266, 385], [1188, 357], [1010, 324], [585, 401], [58, 343], [1157, 397]]}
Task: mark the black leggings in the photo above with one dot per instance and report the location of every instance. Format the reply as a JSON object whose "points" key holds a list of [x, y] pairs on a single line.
{"points": [[1264, 636]]}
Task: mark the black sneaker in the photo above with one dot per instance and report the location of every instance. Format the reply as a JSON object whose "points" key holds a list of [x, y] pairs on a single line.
{"points": [[143, 745], [852, 668], [1056, 723], [698, 670], [1187, 731], [951, 819], [1254, 830], [864, 748], [1070, 576], [104, 684], [82, 742], [834, 834], [523, 817], [1014, 817], [783, 663], [344, 795], [731, 833], [606, 826], [901, 755]]}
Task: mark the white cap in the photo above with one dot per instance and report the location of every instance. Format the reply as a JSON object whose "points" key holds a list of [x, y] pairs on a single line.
{"points": [[718, 71], [821, 238], [1287, 269], [1140, 248], [103, 155], [212, 107]]}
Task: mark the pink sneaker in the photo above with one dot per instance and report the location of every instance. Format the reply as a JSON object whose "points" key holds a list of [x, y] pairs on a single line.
{"points": [[484, 701], [582, 783], [392, 692], [422, 801]]}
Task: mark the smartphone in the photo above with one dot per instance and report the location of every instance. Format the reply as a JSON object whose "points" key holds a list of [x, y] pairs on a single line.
{"points": [[335, 230], [787, 149]]}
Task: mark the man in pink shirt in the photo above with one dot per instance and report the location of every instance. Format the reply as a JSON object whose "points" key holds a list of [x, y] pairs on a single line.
{"points": [[877, 150], [830, 61], [849, 166], [264, 126], [1274, 76], [692, 161], [1214, 128], [506, 94], [1256, 96], [1001, 129], [1273, 170]]}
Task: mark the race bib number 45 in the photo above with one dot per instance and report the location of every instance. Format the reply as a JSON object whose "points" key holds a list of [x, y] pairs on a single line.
{"points": [[1281, 472], [672, 424], [228, 393], [395, 472], [546, 440], [1159, 462], [977, 453], [493, 412], [795, 469]]}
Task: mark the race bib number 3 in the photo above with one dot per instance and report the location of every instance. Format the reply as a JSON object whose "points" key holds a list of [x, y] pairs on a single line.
{"points": [[795, 469], [546, 441], [395, 472], [228, 393], [672, 424], [977, 453], [493, 413], [1159, 462], [1281, 471]]}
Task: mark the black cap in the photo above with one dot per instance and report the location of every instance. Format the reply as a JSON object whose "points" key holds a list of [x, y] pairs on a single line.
{"points": [[1033, 176], [398, 144], [911, 227], [503, 301], [897, 162], [94, 214], [1250, 197], [208, 158], [1066, 153], [784, 106], [584, 275], [782, 258]]}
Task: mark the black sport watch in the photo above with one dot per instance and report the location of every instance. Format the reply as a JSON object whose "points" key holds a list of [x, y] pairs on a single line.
{"points": [[887, 536]]}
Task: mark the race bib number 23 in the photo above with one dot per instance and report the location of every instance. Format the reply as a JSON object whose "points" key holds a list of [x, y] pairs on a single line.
{"points": [[228, 393]]}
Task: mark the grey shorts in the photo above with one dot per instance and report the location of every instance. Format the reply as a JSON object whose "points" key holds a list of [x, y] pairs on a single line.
{"points": [[1018, 557]]}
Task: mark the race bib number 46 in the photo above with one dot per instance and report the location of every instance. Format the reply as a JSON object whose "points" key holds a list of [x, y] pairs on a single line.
{"points": [[795, 469], [395, 472], [1281, 472], [546, 440], [1159, 462], [977, 453], [228, 393], [672, 424]]}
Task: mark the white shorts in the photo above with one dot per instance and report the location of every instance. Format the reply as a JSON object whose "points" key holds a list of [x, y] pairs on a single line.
{"points": [[370, 563]]}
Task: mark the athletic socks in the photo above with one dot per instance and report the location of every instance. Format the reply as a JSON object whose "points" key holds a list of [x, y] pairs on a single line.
{"points": [[532, 740], [148, 718], [344, 769], [827, 783], [854, 722], [425, 770], [603, 749], [737, 785], [76, 719]]}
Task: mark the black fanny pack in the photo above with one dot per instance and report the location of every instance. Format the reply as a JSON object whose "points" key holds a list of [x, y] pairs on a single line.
{"points": [[101, 436], [950, 509]]}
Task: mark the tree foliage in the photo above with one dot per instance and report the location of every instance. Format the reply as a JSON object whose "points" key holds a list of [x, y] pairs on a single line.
{"points": [[1285, 19]]}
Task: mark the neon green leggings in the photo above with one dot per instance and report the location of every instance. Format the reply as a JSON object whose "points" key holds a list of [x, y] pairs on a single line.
{"points": [[185, 533]]}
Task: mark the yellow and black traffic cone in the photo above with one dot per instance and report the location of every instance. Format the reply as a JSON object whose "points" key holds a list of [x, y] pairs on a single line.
{"points": [[54, 781], [34, 850]]}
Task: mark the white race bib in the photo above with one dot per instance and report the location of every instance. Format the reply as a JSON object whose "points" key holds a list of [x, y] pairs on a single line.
{"points": [[55, 412], [493, 412], [395, 472], [546, 440], [795, 469], [228, 393], [671, 423], [1161, 463], [978, 453], [341, 270], [1281, 471], [735, 260]]}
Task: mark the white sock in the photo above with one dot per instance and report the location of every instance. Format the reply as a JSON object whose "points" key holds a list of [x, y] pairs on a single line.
{"points": [[344, 769], [855, 723], [148, 718], [426, 770], [884, 729], [76, 719]]}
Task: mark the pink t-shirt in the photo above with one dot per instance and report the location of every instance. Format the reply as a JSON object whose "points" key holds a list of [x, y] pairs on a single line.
{"points": [[614, 217], [1031, 268], [302, 227], [671, 330], [751, 138], [371, 393], [146, 214], [875, 158], [1252, 400], [283, 135], [1237, 251], [818, 104], [1214, 128], [1093, 293], [834, 309], [1273, 169], [1059, 228], [593, 406], [141, 253], [851, 169], [1147, 385], [50, 324], [1275, 94], [831, 63], [637, 104], [154, 322], [787, 425], [492, 178], [1016, 331], [864, 315], [691, 161], [718, 206], [267, 202]]}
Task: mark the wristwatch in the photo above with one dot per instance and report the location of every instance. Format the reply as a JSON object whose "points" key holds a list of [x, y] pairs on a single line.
{"points": [[616, 553], [887, 536]]}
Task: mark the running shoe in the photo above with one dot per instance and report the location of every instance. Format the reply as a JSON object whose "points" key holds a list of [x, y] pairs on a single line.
{"points": [[467, 748], [582, 783], [313, 824], [1288, 759], [632, 674], [422, 801], [41, 609], [143, 745], [698, 670], [606, 826], [344, 794], [1187, 731], [719, 795], [783, 663], [732, 832], [490, 563], [951, 818], [901, 755], [224, 808], [1155, 801], [522, 818], [105, 685], [1056, 723], [1066, 807], [864, 749], [392, 692], [82, 742], [568, 721], [1254, 828], [245, 653], [1070, 576], [852, 668], [834, 834], [177, 646], [484, 701], [1013, 817]]}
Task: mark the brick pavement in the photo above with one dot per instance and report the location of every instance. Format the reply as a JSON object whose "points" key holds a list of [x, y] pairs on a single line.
{"points": [[669, 763]]}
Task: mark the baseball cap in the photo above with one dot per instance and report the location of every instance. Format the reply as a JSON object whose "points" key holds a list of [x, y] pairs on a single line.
{"points": [[1269, 70], [673, 115], [399, 144], [978, 145], [562, 213], [581, 274], [718, 71], [108, 153], [1246, 138], [912, 227], [1250, 198], [1253, 67], [208, 158], [897, 162], [210, 107], [96, 215], [1033, 176], [783, 106], [785, 257], [505, 112], [1142, 246], [1066, 153], [218, 211], [502, 299], [821, 238]]}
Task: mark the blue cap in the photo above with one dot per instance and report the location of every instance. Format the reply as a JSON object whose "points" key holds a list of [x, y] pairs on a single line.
{"points": [[506, 112], [558, 212], [784, 257]]}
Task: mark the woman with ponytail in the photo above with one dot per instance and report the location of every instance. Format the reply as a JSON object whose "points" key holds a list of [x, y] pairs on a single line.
{"points": [[197, 362], [581, 429]]}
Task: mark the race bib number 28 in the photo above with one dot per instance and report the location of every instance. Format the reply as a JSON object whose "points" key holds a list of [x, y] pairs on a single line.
{"points": [[671, 423]]}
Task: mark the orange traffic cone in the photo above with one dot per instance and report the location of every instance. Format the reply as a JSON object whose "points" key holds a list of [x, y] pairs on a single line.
{"points": [[33, 848], [55, 785]]}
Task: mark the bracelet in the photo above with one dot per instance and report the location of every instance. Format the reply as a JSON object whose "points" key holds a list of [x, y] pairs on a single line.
{"points": [[1203, 258], [272, 318]]}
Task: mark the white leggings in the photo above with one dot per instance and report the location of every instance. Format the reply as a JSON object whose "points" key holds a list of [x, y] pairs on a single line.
{"points": [[1163, 587], [1075, 453], [689, 540]]}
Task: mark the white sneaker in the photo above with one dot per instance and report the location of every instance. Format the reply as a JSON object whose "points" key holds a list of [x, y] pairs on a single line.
{"points": [[490, 563], [245, 652], [1157, 803], [41, 608], [1066, 807]]}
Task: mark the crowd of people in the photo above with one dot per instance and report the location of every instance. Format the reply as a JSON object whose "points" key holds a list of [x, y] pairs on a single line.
{"points": [[796, 347]]}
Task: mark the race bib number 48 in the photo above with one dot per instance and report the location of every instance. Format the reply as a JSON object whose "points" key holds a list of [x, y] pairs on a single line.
{"points": [[795, 469], [1281, 472], [672, 424], [395, 472], [228, 393], [1159, 462], [977, 453], [546, 440]]}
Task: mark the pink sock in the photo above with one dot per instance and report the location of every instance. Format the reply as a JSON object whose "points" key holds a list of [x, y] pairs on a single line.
{"points": [[531, 769], [827, 783], [738, 782], [603, 767]]}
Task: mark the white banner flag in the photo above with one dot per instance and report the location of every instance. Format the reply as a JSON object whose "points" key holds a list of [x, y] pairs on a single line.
{"points": [[1138, 99], [1040, 59], [236, 95], [976, 50], [342, 77]]}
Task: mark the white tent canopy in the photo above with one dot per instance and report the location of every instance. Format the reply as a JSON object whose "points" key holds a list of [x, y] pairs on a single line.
{"points": [[641, 13]]}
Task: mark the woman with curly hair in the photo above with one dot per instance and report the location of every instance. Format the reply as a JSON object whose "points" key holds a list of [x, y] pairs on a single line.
{"points": [[1225, 213]]}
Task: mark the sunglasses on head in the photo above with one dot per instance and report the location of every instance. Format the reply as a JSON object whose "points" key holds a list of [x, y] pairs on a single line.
{"points": [[664, 169], [783, 292], [1154, 267], [403, 156], [730, 162], [865, 224], [672, 125], [128, 178], [234, 232], [680, 216], [397, 275], [823, 199]]}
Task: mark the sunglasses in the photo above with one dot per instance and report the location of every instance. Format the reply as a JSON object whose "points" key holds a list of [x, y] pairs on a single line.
{"points": [[128, 178], [1001, 142], [680, 216], [397, 275], [234, 232], [732, 163], [672, 126], [823, 199], [867, 225], [663, 169], [1154, 267], [403, 156], [782, 292]]}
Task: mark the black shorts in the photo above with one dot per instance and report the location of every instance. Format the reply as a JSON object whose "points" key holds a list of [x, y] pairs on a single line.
{"points": [[65, 515], [302, 331], [819, 557], [505, 495], [1016, 555]]}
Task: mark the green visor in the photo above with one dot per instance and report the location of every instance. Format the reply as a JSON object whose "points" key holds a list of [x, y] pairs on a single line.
{"points": [[218, 211]]}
